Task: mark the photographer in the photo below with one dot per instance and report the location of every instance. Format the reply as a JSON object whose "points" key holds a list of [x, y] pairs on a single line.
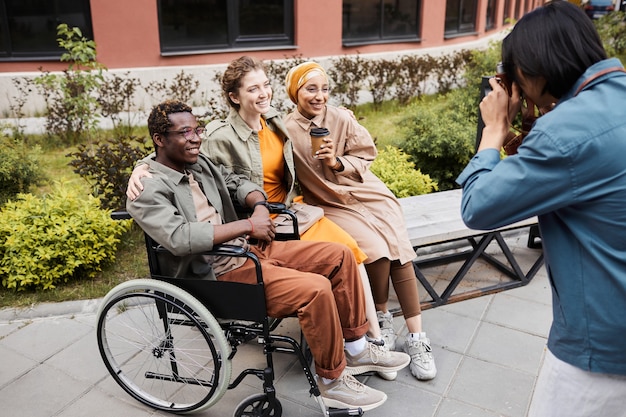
{"points": [[570, 172]]}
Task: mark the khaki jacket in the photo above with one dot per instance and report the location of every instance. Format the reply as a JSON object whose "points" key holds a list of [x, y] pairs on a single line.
{"points": [[232, 143]]}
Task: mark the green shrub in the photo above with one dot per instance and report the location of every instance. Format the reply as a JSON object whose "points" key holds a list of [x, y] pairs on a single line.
{"points": [[107, 165], [393, 167], [441, 136], [612, 31], [482, 62], [19, 168], [48, 240], [182, 87], [72, 108]]}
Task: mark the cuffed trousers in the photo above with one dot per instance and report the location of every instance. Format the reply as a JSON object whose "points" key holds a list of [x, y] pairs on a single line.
{"points": [[320, 283]]}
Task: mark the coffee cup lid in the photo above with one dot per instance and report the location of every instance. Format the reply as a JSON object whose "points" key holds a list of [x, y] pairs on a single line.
{"points": [[319, 131]]}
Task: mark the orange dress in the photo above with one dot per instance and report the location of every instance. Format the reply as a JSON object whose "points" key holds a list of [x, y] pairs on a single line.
{"points": [[274, 185]]}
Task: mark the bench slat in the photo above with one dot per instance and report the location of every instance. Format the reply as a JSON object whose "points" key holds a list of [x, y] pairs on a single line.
{"points": [[435, 218]]}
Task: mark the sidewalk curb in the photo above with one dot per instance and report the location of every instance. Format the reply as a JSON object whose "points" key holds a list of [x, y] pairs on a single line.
{"points": [[47, 310]]}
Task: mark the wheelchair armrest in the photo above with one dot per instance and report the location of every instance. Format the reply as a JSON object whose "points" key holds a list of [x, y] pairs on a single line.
{"points": [[274, 208], [218, 250], [120, 215], [280, 208]]}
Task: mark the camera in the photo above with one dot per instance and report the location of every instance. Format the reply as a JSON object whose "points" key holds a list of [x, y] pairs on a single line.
{"points": [[502, 78], [485, 89]]}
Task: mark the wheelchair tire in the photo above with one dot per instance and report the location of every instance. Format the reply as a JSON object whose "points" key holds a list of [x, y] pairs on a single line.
{"points": [[179, 364], [259, 405]]}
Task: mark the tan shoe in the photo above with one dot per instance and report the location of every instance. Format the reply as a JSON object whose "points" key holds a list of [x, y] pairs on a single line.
{"points": [[377, 359], [347, 392]]}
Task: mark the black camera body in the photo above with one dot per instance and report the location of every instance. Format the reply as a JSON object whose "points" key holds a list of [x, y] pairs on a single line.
{"points": [[485, 89]]}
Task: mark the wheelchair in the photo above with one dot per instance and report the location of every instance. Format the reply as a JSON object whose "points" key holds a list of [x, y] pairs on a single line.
{"points": [[170, 342]]}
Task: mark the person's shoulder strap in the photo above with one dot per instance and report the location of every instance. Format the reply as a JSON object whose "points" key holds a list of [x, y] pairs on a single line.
{"points": [[597, 75]]}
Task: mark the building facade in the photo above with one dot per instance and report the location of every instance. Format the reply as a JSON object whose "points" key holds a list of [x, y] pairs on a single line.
{"points": [[153, 38], [157, 33]]}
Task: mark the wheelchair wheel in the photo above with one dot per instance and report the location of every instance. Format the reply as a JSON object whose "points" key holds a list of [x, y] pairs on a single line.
{"points": [[259, 405], [163, 347]]}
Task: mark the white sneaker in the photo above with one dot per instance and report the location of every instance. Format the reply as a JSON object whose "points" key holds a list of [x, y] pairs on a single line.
{"points": [[385, 321], [347, 392], [422, 362]]}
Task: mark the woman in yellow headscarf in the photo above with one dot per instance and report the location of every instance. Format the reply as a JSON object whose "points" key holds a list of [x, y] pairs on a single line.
{"points": [[339, 180]]}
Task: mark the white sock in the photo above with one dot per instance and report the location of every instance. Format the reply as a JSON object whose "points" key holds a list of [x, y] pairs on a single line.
{"points": [[356, 346], [327, 381]]}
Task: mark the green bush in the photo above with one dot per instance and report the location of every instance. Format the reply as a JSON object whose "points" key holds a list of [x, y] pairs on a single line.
{"points": [[72, 108], [48, 240], [441, 136], [393, 167], [612, 31], [19, 168], [107, 165], [482, 62]]}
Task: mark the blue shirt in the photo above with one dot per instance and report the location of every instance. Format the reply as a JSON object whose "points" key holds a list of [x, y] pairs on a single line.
{"points": [[571, 173]]}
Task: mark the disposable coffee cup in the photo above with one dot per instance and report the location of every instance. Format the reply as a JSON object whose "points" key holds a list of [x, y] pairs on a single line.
{"points": [[317, 138]]}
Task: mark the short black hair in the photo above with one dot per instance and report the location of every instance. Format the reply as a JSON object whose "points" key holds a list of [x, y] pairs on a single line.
{"points": [[557, 41], [158, 120]]}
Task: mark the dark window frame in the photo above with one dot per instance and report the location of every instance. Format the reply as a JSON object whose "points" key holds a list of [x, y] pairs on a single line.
{"points": [[490, 14], [382, 38], [506, 16], [235, 40], [8, 42], [461, 29]]}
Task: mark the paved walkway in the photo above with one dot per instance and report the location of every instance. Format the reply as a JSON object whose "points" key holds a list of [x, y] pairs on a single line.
{"points": [[488, 352]]}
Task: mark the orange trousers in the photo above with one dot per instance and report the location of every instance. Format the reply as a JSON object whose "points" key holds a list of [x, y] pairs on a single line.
{"points": [[318, 282]]}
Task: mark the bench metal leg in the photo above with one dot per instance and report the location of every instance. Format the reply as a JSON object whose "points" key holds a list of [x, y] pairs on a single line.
{"points": [[512, 270]]}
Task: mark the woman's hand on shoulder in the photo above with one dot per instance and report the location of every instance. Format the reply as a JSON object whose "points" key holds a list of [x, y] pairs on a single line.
{"points": [[135, 187]]}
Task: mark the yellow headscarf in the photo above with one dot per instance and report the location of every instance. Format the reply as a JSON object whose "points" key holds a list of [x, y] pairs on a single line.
{"points": [[299, 75]]}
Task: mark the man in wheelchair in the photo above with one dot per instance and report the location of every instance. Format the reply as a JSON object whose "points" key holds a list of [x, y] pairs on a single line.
{"points": [[187, 207]]}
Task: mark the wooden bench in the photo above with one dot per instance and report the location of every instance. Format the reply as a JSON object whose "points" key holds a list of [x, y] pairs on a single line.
{"points": [[435, 219]]}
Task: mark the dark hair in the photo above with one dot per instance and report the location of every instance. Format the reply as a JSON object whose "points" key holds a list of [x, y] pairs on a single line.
{"points": [[557, 41], [158, 120], [237, 69]]}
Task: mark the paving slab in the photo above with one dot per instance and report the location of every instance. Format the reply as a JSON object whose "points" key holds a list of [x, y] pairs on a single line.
{"points": [[488, 352]]}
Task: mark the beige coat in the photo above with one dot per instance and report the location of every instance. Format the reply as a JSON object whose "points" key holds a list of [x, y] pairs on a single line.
{"points": [[354, 198]]}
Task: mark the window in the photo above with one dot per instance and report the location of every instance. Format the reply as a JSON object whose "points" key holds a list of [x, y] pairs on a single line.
{"points": [[460, 17], [372, 21], [490, 22], [28, 28], [200, 25], [506, 16], [518, 12]]}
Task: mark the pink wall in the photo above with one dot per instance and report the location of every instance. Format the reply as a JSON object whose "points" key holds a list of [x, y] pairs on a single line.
{"points": [[126, 33]]}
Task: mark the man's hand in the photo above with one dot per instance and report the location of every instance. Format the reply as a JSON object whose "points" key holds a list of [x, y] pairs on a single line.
{"points": [[263, 228]]}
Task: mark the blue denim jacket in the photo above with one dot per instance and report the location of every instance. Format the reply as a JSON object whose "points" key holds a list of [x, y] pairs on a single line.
{"points": [[571, 173]]}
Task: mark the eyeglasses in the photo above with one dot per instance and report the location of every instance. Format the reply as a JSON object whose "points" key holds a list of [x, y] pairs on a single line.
{"points": [[189, 133], [315, 90]]}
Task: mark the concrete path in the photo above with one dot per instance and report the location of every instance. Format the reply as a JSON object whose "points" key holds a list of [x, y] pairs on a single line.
{"points": [[488, 352]]}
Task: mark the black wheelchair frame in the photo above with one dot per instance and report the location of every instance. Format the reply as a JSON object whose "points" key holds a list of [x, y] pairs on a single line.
{"points": [[169, 342]]}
